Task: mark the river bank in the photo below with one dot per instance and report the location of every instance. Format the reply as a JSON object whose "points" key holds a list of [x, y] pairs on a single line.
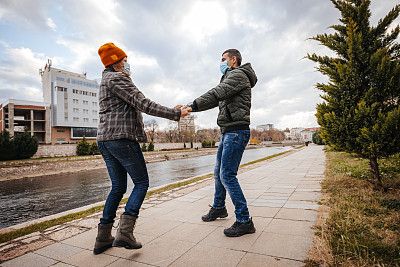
{"points": [[18, 169]]}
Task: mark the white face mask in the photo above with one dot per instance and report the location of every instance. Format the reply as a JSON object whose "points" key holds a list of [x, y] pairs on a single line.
{"points": [[127, 67]]}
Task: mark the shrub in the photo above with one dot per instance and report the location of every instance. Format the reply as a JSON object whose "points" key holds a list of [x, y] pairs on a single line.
{"points": [[26, 144], [144, 147], [8, 149], [94, 149], [150, 147], [317, 139], [83, 147]]}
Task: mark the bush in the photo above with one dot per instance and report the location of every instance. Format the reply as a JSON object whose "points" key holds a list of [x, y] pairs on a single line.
{"points": [[150, 147], [8, 149], [94, 149], [144, 147], [26, 144], [83, 147], [317, 139], [206, 143]]}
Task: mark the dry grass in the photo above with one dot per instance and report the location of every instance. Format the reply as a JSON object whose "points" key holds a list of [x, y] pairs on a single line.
{"points": [[363, 225]]}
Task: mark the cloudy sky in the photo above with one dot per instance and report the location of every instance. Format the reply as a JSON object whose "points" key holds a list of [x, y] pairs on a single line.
{"points": [[174, 48]]}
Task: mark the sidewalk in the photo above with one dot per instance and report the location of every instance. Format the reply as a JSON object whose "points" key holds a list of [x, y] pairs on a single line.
{"points": [[282, 197]]}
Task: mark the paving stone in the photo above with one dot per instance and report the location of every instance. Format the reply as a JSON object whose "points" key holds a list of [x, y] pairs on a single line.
{"points": [[29, 260], [156, 227], [85, 240], [290, 227], [268, 212], [161, 252], [256, 260], [87, 258], [297, 214], [209, 256], [127, 263], [65, 233], [282, 245], [58, 251], [190, 232]]}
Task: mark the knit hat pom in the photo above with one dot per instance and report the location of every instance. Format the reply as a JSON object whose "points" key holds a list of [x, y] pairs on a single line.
{"points": [[109, 54]]}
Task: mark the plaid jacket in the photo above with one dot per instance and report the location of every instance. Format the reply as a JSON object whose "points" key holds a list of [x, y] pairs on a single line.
{"points": [[121, 106]]}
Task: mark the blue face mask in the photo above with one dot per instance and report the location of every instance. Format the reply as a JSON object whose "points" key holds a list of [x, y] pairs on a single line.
{"points": [[223, 67], [127, 67]]}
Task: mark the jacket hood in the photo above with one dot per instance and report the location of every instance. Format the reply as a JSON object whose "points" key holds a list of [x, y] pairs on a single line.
{"points": [[248, 70]]}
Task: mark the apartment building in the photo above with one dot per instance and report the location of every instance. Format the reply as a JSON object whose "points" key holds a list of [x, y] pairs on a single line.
{"points": [[73, 100], [18, 115]]}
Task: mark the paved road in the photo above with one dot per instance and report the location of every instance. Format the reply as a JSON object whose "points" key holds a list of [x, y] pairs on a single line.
{"points": [[282, 197]]}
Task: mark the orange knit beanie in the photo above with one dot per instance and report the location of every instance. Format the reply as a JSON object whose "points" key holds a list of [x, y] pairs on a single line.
{"points": [[109, 54]]}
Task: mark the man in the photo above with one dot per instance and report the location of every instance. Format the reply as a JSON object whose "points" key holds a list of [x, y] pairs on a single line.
{"points": [[233, 96], [119, 133]]}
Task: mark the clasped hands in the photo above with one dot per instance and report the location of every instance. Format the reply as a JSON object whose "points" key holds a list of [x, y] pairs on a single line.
{"points": [[185, 110]]}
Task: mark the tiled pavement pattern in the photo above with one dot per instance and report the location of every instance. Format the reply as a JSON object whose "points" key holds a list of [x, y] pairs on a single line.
{"points": [[282, 197]]}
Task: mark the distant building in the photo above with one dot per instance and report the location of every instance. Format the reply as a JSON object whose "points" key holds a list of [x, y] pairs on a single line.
{"points": [[302, 134], [265, 127], [18, 115], [73, 100], [186, 124]]}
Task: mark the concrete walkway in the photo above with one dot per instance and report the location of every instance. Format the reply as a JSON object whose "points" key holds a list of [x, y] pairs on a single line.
{"points": [[282, 196]]}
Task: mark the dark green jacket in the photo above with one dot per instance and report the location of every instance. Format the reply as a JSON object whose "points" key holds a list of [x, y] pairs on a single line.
{"points": [[233, 96]]}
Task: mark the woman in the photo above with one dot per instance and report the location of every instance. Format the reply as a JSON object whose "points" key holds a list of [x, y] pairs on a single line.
{"points": [[119, 133]]}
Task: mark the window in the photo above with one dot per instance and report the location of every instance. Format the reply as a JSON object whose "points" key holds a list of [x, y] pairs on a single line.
{"points": [[61, 140], [94, 112], [87, 132], [76, 119], [94, 104], [93, 94], [76, 110], [76, 101], [85, 111], [85, 102], [85, 120], [94, 120], [60, 79], [65, 118], [60, 131]]}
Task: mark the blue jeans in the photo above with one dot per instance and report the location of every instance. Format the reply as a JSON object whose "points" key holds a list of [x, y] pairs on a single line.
{"points": [[122, 157], [229, 154]]}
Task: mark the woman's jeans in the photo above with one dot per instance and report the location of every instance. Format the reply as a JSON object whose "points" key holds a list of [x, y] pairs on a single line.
{"points": [[122, 157], [229, 154]]}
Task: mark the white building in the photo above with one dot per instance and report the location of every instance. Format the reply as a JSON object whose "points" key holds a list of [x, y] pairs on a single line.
{"points": [[265, 127], [74, 104]]}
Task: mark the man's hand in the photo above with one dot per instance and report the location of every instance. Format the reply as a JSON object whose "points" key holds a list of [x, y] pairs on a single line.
{"points": [[185, 111], [188, 108], [178, 106]]}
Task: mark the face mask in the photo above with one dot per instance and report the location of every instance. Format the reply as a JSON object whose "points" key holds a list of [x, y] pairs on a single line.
{"points": [[127, 67], [223, 67]]}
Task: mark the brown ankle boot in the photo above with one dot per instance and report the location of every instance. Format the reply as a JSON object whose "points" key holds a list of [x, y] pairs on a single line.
{"points": [[124, 237], [104, 238]]}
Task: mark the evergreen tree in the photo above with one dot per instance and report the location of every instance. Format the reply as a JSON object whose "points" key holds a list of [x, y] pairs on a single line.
{"points": [[8, 149], [361, 111], [144, 147], [150, 147], [26, 144], [317, 139], [94, 149], [83, 147]]}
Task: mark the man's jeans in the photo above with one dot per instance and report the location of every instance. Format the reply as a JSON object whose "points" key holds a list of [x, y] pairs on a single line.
{"points": [[229, 154], [122, 157]]}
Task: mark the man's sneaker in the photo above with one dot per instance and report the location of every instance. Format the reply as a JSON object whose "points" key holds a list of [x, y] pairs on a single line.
{"points": [[239, 229], [214, 214]]}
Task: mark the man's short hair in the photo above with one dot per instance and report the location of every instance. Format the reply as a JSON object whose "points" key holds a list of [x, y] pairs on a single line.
{"points": [[234, 53]]}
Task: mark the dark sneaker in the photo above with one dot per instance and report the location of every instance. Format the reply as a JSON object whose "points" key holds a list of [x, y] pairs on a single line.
{"points": [[239, 229], [213, 214]]}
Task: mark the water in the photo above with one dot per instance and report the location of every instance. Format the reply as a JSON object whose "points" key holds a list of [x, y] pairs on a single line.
{"points": [[31, 198]]}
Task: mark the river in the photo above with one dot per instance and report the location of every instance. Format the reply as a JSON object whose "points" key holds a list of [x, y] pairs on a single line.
{"points": [[31, 198]]}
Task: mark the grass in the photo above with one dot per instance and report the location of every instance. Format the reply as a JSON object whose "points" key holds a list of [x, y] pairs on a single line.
{"points": [[363, 225], [74, 216]]}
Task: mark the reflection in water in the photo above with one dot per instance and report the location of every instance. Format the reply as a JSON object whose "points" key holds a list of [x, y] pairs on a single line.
{"points": [[31, 198]]}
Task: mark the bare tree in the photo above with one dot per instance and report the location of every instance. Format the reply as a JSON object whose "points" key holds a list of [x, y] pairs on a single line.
{"points": [[151, 127], [171, 131]]}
